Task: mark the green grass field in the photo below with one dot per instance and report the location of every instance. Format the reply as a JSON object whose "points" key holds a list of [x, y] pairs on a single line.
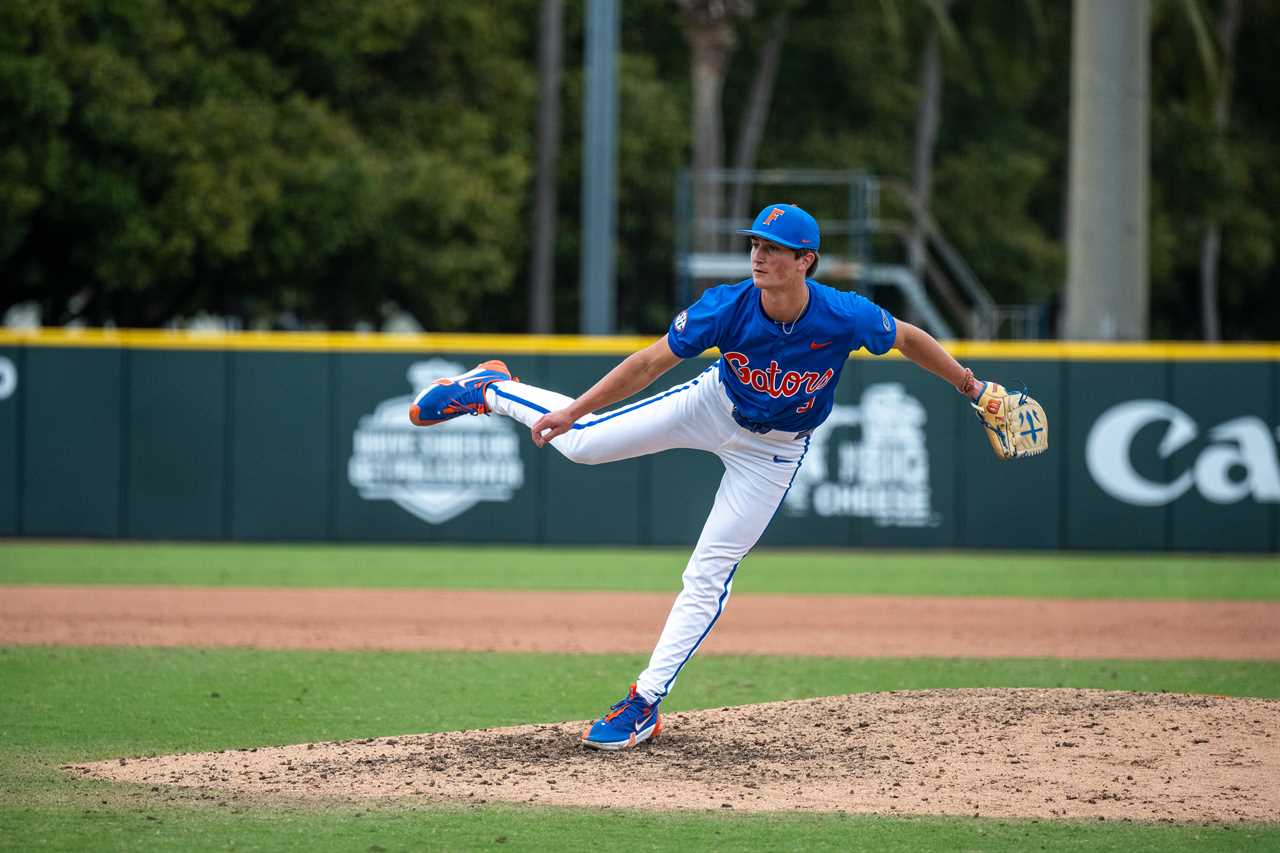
{"points": [[59, 705], [1155, 576]]}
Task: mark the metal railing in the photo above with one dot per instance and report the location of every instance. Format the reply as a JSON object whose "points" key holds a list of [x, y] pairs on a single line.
{"points": [[946, 287]]}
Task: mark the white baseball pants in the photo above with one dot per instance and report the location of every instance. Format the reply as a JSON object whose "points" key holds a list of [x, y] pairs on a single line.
{"points": [[696, 415]]}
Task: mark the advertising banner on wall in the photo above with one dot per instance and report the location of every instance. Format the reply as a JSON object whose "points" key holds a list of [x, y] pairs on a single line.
{"points": [[881, 470], [1236, 461], [435, 474], [869, 460], [468, 479], [1177, 456], [9, 440], [1162, 455]]}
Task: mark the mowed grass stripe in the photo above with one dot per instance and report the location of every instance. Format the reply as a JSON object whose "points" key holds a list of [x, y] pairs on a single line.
{"points": [[853, 572], [82, 703], [216, 827]]}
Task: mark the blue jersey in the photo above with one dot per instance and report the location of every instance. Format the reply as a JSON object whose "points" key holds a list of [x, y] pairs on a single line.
{"points": [[777, 376]]}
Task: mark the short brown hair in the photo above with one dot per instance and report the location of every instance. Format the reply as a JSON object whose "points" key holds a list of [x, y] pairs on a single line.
{"points": [[813, 267]]}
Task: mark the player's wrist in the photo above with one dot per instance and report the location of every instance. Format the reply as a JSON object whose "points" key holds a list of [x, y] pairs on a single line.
{"points": [[576, 411], [969, 386]]}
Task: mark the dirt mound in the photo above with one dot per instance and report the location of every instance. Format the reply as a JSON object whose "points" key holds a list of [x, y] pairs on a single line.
{"points": [[1009, 753]]}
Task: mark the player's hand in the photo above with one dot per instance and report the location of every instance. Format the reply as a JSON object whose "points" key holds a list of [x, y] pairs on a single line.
{"points": [[551, 425], [1015, 423]]}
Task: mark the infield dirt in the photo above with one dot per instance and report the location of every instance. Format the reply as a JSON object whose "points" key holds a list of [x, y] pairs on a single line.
{"points": [[996, 753], [601, 622]]}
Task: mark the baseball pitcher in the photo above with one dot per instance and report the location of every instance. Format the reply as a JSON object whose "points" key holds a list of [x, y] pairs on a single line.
{"points": [[783, 340]]}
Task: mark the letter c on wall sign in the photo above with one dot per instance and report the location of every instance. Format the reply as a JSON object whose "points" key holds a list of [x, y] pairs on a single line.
{"points": [[1107, 451]]}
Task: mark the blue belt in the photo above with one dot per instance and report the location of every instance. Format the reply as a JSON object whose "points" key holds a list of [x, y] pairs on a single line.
{"points": [[750, 426], [761, 429]]}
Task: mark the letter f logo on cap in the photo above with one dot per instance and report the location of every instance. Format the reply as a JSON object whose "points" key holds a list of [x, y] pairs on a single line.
{"points": [[786, 225]]}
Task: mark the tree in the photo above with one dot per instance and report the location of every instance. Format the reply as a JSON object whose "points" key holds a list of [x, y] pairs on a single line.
{"points": [[709, 27], [999, 171], [926, 138], [541, 284], [1220, 74], [752, 129], [296, 164], [1205, 173], [260, 161]]}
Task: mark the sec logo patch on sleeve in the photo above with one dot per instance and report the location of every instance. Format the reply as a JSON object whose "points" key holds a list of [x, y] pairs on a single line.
{"points": [[884, 319], [681, 319]]}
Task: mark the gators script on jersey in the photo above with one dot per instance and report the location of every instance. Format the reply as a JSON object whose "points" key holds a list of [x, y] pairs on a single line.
{"points": [[780, 378]]}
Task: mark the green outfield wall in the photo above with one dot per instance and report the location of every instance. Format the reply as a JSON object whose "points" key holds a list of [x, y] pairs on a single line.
{"points": [[297, 437]]}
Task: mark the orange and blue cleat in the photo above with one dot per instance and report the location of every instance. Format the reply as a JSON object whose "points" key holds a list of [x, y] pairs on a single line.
{"points": [[629, 722], [450, 397]]}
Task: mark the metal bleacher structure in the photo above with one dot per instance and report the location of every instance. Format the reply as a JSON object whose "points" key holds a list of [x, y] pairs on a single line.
{"points": [[862, 249]]}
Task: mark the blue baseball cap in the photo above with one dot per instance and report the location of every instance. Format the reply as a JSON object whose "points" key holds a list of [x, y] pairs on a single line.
{"points": [[786, 225]]}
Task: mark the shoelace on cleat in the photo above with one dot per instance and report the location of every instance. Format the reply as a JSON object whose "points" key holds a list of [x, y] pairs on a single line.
{"points": [[471, 387], [627, 711], [456, 404]]}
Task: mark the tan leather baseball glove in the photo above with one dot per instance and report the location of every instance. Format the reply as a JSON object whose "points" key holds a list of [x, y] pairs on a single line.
{"points": [[1015, 423]]}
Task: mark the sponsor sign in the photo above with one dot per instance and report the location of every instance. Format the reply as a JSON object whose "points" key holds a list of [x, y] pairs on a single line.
{"points": [[8, 378], [440, 472], [1237, 462], [869, 461]]}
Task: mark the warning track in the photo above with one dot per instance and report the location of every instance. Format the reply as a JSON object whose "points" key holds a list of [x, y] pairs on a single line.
{"points": [[598, 622]]}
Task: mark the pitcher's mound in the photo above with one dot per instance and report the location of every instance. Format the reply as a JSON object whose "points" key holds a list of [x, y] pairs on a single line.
{"points": [[1008, 753]]}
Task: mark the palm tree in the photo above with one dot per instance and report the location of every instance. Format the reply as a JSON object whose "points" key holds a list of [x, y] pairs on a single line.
{"points": [[928, 114], [709, 26], [1219, 73], [757, 116], [541, 288]]}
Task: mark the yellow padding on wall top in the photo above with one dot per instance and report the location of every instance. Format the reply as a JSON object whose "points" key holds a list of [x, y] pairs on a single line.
{"points": [[482, 344]]}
